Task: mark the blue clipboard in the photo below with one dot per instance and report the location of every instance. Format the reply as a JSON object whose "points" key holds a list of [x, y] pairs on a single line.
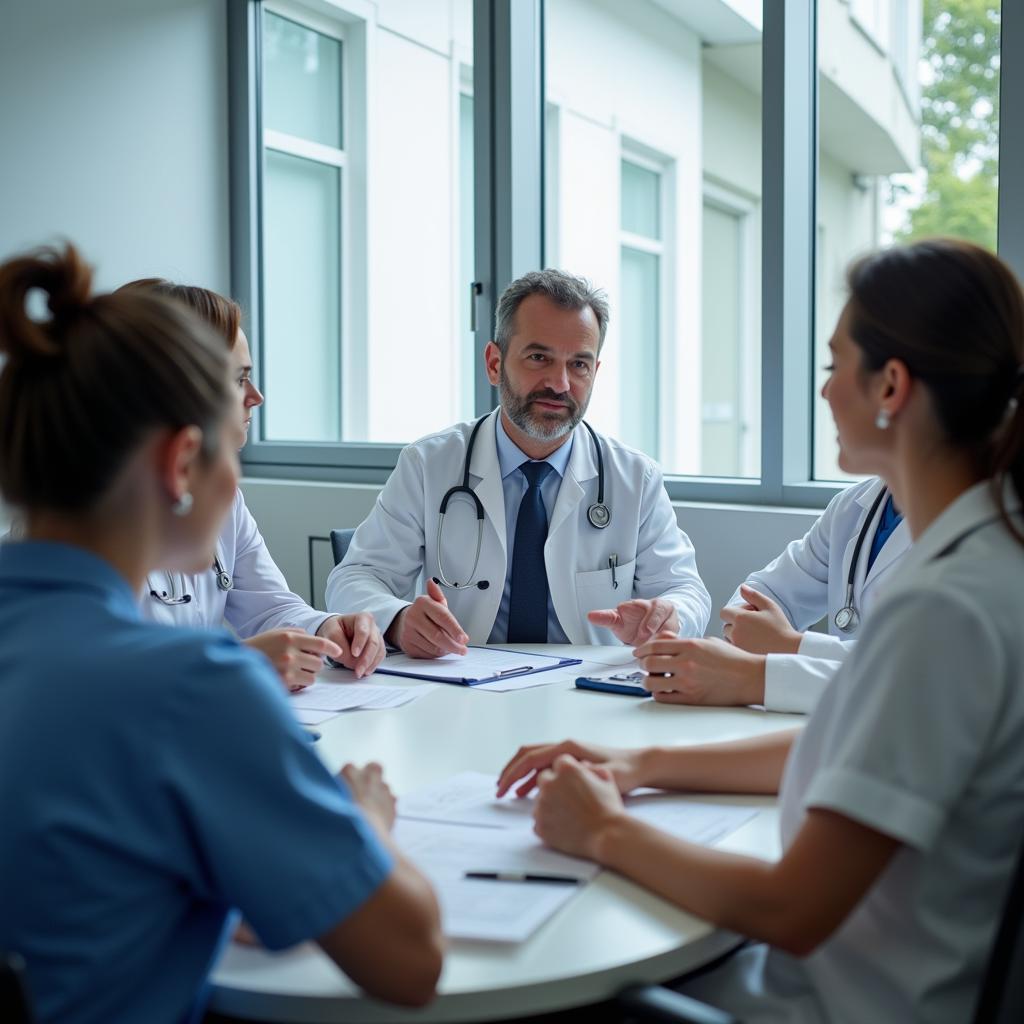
{"points": [[447, 671]]}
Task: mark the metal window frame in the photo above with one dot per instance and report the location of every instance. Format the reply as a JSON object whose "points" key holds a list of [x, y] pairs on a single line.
{"points": [[509, 99]]}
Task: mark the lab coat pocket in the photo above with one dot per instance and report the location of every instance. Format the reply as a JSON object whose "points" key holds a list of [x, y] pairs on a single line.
{"points": [[596, 589]]}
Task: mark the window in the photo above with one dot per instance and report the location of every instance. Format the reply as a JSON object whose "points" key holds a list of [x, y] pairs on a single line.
{"points": [[395, 165], [366, 227], [888, 172], [304, 164], [644, 103]]}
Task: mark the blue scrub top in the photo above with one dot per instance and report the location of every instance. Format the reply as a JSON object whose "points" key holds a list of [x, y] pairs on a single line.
{"points": [[151, 779]]}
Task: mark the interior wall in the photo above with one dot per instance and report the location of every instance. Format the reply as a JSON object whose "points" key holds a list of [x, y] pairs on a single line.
{"points": [[114, 129]]}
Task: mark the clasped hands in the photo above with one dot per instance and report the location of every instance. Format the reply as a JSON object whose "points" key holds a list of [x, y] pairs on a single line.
{"points": [[721, 672]]}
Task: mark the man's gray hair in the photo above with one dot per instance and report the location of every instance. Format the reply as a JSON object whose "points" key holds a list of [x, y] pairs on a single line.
{"points": [[565, 290]]}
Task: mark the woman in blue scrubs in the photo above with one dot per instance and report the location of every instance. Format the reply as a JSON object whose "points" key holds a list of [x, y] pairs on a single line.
{"points": [[153, 780], [901, 801]]}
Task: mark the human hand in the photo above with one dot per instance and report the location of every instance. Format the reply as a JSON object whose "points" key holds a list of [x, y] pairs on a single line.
{"points": [[245, 936], [372, 793], [426, 628], [296, 655], [575, 803], [638, 620], [528, 762], [708, 671], [760, 626], [358, 638]]}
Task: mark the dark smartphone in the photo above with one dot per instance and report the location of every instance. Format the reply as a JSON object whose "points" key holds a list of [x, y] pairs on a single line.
{"points": [[626, 683]]}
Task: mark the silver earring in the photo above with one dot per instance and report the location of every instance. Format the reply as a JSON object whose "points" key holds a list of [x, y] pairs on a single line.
{"points": [[883, 419], [183, 505]]}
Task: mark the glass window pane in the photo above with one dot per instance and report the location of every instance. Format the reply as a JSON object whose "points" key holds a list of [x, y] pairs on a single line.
{"points": [[301, 293], [368, 264], [640, 201], [640, 297], [682, 82], [302, 81], [909, 143]]}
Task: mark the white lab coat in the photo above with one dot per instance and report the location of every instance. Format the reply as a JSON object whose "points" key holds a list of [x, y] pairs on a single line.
{"points": [[808, 581], [259, 600], [398, 540]]}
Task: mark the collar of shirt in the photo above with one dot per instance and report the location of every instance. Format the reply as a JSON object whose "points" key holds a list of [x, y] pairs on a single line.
{"points": [[511, 456], [972, 509], [36, 563]]}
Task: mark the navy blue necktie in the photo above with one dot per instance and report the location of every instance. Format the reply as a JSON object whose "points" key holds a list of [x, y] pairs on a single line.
{"points": [[528, 594]]}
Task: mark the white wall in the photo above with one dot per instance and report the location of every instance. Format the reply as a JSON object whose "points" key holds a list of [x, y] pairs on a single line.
{"points": [[113, 123]]}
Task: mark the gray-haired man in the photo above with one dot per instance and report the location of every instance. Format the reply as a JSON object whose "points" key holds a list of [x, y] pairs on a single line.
{"points": [[561, 535]]}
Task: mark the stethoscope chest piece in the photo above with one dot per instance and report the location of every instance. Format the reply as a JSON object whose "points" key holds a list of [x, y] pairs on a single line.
{"points": [[599, 515], [847, 619], [224, 581]]}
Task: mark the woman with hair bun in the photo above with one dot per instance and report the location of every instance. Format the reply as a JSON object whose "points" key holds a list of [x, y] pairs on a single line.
{"points": [[901, 802], [243, 585], [153, 781]]}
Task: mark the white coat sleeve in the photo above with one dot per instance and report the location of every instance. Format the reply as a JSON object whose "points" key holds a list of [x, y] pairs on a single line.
{"points": [[797, 581], [386, 555], [795, 682], [824, 645], [666, 565], [260, 599]]}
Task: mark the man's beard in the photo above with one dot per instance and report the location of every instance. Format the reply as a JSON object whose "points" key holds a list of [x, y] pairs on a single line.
{"points": [[540, 425]]}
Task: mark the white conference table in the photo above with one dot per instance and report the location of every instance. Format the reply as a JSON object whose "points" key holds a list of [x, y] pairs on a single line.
{"points": [[611, 934]]}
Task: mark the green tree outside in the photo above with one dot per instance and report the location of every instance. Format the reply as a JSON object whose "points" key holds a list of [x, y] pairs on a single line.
{"points": [[959, 122]]}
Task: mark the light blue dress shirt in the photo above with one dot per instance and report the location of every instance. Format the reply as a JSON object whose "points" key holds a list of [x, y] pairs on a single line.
{"points": [[513, 484], [151, 780]]}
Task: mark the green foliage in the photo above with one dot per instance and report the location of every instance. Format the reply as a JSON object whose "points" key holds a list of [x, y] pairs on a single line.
{"points": [[959, 121]]}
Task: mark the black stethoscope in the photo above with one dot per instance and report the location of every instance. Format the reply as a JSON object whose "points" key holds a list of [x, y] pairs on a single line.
{"points": [[598, 514], [847, 619], [222, 576]]}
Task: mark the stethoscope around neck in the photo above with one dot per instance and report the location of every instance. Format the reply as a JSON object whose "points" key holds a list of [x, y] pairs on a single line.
{"points": [[599, 515], [222, 576], [847, 619]]}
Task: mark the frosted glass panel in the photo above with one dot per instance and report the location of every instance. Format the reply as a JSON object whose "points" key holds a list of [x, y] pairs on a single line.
{"points": [[302, 342], [302, 84], [639, 373], [640, 205]]}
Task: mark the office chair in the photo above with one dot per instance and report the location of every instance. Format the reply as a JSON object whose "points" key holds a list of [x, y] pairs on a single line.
{"points": [[1000, 998], [14, 1003], [340, 540]]}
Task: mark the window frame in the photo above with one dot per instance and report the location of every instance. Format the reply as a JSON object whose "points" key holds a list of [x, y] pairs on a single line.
{"points": [[509, 104]]}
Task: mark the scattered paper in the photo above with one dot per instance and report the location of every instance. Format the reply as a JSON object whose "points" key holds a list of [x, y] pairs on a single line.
{"points": [[324, 696], [308, 717]]}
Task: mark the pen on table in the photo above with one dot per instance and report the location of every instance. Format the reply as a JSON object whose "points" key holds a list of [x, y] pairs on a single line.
{"points": [[519, 876]]}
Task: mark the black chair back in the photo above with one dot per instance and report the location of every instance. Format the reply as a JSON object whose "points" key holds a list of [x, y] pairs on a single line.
{"points": [[340, 540], [15, 1007], [1001, 999]]}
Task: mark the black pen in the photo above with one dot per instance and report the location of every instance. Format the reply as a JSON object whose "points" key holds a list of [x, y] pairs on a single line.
{"points": [[519, 876]]}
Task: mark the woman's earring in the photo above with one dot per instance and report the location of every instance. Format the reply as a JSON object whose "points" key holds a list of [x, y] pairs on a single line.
{"points": [[883, 419], [183, 505]]}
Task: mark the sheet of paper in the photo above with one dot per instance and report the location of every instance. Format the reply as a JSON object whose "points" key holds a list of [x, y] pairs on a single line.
{"points": [[468, 799], [479, 663], [324, 696], [485, 909], [468, 848]]}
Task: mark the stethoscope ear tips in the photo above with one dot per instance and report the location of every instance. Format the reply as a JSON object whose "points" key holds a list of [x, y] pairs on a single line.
{"points": [[483, 584]]}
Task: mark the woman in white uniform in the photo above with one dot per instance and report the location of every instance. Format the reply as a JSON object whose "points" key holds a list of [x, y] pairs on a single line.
{"points": [[901, 800], [244, 586], [837, 570]]}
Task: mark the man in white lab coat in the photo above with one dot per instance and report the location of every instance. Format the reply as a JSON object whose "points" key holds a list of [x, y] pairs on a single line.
{"points": [[561, 535]]}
